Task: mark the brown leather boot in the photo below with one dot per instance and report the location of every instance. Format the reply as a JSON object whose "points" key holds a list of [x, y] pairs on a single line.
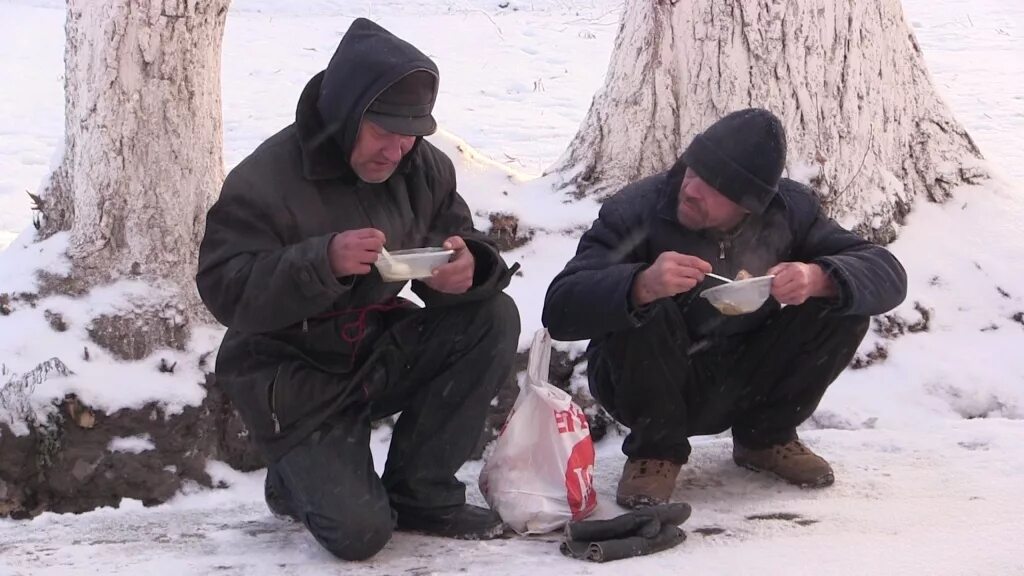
{"points": [[793, 462], [646, 482]]}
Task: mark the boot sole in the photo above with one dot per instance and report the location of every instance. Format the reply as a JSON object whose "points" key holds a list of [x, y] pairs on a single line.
{"points": [[637, 502], [823, 482], [491, 534]]}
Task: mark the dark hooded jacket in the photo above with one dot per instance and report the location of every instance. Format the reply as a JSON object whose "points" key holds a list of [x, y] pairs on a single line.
{"points": [[591, 297], [263, 265]]}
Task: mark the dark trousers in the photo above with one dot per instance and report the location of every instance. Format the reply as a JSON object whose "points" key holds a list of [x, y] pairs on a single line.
{"points": [[440, 368], [657, 381]]}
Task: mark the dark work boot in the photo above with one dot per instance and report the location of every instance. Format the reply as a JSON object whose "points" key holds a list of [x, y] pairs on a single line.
{"points": [[465, 522]]}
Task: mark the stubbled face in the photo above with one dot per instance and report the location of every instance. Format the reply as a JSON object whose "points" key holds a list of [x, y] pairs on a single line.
{"points": [[377, 152], [701, 206]]}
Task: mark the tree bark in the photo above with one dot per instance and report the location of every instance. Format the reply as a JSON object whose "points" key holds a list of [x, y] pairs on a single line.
{"points": [[865, 125], [143, 144], [142, 163]]}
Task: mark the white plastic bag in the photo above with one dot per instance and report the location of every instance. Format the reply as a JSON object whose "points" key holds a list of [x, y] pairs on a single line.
{"points": [[540, 474]]}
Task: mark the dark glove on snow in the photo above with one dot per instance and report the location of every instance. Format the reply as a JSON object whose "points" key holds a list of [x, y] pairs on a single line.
{"points": [[644, 531]]}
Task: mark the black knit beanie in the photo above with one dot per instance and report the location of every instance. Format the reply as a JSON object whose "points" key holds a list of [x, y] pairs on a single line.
{"points": [[742, 156]]}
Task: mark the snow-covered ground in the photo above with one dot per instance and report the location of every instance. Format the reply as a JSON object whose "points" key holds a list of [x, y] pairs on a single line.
{"points": [[928, 445]]}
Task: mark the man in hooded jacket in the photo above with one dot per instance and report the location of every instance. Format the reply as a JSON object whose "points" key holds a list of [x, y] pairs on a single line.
{"points": [[665, 362], [318, 345]]}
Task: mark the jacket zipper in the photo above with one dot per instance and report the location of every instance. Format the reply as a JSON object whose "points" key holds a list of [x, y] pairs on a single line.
{"points": [[726, 242], [305, 325], [273, 402]]}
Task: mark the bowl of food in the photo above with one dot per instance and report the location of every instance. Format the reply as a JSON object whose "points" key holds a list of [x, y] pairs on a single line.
{"points": [[414, 264], [741, 296]]}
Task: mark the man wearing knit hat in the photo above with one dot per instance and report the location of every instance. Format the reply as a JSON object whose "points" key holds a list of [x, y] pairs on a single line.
{"points": [[669, 365], [319, 344]]}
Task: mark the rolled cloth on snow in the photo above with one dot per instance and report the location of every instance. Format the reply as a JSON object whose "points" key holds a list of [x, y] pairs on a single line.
{"points": [[638, 533]]}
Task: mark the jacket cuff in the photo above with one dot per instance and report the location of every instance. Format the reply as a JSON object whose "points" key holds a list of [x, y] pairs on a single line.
{"points": [[312, 269], [843, 302], [488, 263], [638, 315]]}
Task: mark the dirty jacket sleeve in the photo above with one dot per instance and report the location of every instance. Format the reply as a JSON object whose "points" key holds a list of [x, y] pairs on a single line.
{"points": [[869, 278], [591, 296], [453, 218], [249, 278]]}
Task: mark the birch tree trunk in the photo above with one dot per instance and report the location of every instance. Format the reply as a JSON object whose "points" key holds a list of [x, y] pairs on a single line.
{"points": [[143, 144], [865, 125]]}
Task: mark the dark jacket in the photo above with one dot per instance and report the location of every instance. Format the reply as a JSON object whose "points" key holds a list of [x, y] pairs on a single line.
{"points": [[263, 266], [592, 296]]}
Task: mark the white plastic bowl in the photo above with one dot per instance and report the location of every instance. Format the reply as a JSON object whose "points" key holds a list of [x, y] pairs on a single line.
{"points": [[411, 264], [741, 296]]}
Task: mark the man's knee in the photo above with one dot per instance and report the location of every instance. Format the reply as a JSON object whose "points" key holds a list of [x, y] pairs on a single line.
{"points": [[662, 329], [495, 320], [848, 331], [601, 381], [859, 325], [356, 532], [502, 312], [818, 319], [851, 332]]}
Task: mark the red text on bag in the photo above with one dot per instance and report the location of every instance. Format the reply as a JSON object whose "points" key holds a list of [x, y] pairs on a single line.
{"points": [[571, 419], [579, 479]]}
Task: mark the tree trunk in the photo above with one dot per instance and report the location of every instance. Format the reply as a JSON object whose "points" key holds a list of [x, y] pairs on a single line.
{"points": [[143, 145], [864, 123], [142, 163]]}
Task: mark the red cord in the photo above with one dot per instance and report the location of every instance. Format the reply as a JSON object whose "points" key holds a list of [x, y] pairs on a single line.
{"points": [[353, 332]]}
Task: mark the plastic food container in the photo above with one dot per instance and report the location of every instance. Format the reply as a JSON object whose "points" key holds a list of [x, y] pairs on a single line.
{"points": [[411, 264], [741, 296]]}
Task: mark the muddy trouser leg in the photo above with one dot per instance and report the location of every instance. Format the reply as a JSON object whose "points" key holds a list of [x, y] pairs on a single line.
{"points": [[455, 359], [645, 378], [783, 370]]}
